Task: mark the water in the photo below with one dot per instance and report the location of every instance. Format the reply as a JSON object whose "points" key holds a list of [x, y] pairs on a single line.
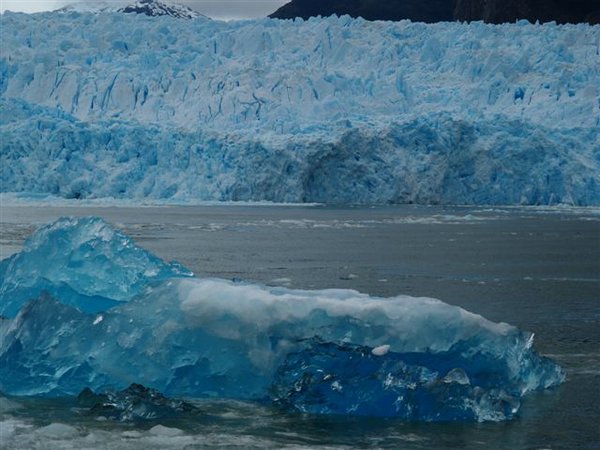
{"points": [[538, 269]]}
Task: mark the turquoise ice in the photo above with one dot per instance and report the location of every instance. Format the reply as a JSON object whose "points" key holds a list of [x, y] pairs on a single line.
{"points": [[84, 262], [326, 352]]}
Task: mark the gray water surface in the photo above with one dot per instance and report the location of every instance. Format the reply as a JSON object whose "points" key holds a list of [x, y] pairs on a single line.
{"points": [[538, 269]]}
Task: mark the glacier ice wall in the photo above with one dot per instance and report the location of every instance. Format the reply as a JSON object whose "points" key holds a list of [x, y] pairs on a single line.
{"points": [[430, 159], [335, 110], [327, 352], [284, 75]]}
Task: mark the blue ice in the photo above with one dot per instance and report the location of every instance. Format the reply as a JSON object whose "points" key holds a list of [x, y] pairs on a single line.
{"points": [[335, 110], [326, 352]]}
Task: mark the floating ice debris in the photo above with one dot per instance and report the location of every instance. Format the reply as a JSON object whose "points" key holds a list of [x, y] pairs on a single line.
{"points": [[381, 350], [329, 352], [58, 431], [161, 430], [134, 404], [349, 277], [85, 263]]}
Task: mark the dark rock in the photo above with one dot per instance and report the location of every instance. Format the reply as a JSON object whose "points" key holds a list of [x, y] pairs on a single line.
{"points": [[501, 11], [491, 11]]}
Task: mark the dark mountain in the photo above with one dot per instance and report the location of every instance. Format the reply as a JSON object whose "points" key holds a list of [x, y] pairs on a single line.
{"points": [[501, 11], [157, 8], [415, 10], [492, 11]]}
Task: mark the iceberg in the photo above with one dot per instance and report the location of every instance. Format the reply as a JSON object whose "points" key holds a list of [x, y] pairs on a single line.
{"points": [[333, 110], [326, 352]]}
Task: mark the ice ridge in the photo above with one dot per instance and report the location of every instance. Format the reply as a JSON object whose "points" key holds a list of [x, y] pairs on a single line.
{"points": [[325, 352], [84, 262]]}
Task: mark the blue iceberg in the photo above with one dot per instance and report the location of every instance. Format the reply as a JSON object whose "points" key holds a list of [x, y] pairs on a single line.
{"points": [[326, 352]]}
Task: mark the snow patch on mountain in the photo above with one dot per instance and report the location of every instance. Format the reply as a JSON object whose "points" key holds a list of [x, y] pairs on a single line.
{"points": [[156, 8]]}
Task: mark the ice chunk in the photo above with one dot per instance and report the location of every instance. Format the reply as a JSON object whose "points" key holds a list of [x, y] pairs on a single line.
{"points": [[328, 351], [134, 404], [161, 430], [83, 262], [381, 350], [58, 431]]}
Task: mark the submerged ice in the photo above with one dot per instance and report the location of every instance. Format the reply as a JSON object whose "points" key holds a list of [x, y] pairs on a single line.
{"points": [[327, 110], [327, 352]]}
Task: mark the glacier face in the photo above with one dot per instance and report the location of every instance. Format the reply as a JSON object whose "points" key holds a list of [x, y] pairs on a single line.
{"points": [[332, 110], [327, 352]]}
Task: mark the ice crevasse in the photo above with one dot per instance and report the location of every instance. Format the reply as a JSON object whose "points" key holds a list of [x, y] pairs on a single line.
{"points": [[329, 110], [322, 352]]}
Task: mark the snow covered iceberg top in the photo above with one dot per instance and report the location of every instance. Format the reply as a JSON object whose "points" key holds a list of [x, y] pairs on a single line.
{"points": [[326, 352], [85, 262]]}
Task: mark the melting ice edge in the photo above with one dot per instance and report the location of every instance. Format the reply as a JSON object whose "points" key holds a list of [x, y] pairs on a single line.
{"points": [[87, 308]]}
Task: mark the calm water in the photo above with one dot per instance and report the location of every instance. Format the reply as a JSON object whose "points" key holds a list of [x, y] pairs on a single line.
{"points": [[538, 269]]}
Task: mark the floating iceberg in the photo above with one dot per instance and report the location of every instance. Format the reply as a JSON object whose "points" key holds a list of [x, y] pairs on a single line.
{"points": [[328, 110], [328, 351]]}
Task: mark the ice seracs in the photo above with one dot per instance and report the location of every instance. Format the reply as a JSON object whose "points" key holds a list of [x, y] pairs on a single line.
{"points": [[326, 352], [326, 110], [137, 403]]}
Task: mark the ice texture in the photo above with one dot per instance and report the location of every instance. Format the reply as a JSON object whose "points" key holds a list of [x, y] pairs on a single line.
{"points": [[453, 385], [329, 110], [137, 403], [84, 262], [329, 351]]}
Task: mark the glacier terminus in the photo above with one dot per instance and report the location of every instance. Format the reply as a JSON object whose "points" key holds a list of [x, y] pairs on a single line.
{"points": [[334, 110]]}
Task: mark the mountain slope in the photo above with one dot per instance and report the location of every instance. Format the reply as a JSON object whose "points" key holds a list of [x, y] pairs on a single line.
{"points": [[415, 10], [155, 8], [491, 11]]}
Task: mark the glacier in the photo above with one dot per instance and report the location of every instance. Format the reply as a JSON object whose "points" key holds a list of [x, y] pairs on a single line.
{"points": [[334, 110], [325, 352]]}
